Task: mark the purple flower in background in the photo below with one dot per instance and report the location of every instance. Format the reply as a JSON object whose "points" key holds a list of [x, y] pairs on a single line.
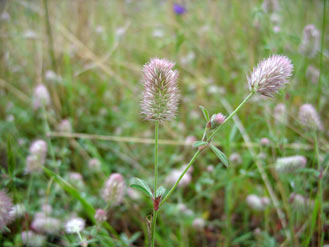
{"points": [[179, 9]]}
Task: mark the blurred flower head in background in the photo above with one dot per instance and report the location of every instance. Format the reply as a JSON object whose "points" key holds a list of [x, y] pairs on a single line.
{"points": [[311, 41], [5, 209], [179, 9], [114, 189], [309, 117]]}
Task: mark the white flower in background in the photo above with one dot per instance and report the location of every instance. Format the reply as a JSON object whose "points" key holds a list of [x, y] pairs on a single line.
{"points": [[133, 194], [184, 210], [75, 225], [235, 158], [256, 202], [100, 215], [188, 58], [94, 164], [17, 211], [312, 74], [37, 157], [4, 16], [32, 239], [65, 126], [190, 140], [311, 41], [198, 223], [5, 209], [158, 33], [99, 29], [290, 164], [175, 174], [309, 117], [30, 34], [51, 76], [280, 113], [42, 223]]}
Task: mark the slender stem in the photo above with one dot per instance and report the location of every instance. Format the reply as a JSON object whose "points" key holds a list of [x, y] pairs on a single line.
{"points": [[156, 137], [153, 227], [321, 53], [199, 151], [155, 213], [50, 36], [180, 178], [230, 116]]}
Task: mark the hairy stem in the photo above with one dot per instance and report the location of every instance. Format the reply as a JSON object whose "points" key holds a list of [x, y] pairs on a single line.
{"points": [[155, 213]]}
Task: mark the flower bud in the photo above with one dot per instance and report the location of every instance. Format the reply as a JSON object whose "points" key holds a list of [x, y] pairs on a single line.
{"points": [[216, 120]]}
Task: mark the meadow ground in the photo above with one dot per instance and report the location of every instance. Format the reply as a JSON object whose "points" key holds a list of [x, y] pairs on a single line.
{"points": [[70, 116]]}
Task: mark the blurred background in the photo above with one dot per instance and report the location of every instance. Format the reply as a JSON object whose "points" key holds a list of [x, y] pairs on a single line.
{"points": [[70, 76]]}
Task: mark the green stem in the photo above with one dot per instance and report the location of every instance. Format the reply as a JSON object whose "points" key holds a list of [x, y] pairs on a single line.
{"points": [[155, 213], [156, 136], [153, 227], [199, 150], [321, 53], [230, 116]]}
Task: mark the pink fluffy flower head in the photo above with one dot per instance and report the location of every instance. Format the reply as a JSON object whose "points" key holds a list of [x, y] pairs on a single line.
{"points": [[311, 41], [114, 189], [161, 94], [309, 117], [270, 75]]}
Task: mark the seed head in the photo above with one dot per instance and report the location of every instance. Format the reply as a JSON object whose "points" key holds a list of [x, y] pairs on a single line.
{"points": [[309, 117], [161, 94], [290, 164], [311, 41], [270, 75], [40, 97], [114, 189], [5, 209]]}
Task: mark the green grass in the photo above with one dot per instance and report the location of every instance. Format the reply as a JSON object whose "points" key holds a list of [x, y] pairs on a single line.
{"points": [[100, 92]]}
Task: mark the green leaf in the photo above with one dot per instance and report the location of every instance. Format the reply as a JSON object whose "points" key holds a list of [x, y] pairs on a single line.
{"points": [[160, 191], [205, 113], [199, 144], [221, 156], [142, 186]]}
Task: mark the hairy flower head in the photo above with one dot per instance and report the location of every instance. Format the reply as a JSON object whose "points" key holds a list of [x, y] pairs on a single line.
{"points": [[114, 189], [310, 44], [309, 117], [5, 209], [161, 93], [270, 75], [290, 164]]}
